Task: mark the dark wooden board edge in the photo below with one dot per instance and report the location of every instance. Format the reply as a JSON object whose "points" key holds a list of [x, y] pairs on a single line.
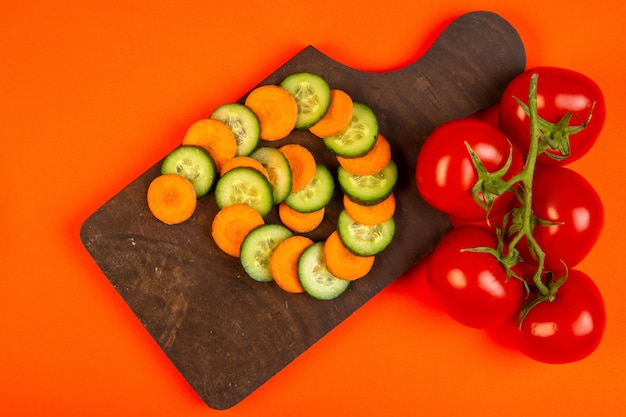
{"points": [[228, 334]]}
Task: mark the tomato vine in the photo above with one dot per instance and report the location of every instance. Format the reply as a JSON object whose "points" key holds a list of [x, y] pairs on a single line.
{"points": [[521, 220], [544, 135]]}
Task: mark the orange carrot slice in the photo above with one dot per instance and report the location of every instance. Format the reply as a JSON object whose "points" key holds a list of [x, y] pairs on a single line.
{"points": [[231, 225], [370, 215], [284, 262], [171, 198], [336, 118], [214, 136], [302, 164], [342, 263], [276, 109], [300, 222], [370, 163], [243, 161]]}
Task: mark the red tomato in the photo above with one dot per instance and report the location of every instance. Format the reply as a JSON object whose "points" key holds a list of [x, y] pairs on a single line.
{"points": [[559, 91], [567, 329], [472, 287], [563, 196], [488, 114], [445, 174]]}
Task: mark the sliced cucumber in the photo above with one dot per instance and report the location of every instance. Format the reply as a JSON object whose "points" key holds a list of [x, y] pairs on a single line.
{"points": [[312, 94], [368, 189], [315, 278], [365, 240], [193, 163], [245, 186], [244, 124], [360, 135], [316, 194], [257, 247], [277, 168]]}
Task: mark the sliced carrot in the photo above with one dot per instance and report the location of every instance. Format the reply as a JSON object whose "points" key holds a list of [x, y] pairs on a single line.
{"points": [[336, 118], [231, 225], [370, 215], [302, 164], [214, 136], [300, 222], [276, 109], [342, 263], [370, 163], [171, 198], [284, 262], [243, 161]]}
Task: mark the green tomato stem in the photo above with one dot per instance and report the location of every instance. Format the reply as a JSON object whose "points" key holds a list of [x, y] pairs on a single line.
{"points": [[527, 182], [525, 178]]}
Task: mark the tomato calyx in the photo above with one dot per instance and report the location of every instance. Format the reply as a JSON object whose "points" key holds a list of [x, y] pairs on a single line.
{"points": [[489, 185], [555, 136], [552, 287]]}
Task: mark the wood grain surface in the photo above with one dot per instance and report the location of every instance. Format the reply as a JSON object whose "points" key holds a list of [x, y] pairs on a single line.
{"points": [[228, 334]]}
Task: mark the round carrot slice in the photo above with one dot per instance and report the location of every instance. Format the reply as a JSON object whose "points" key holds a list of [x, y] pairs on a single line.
{"points": [[370, 215], [370, 163], [214, 136], [171, 198], [302, 164], [342, 263], [337, 117], [243, 161], [300, 222], [284, 262], [276, 109], [231, 225]]}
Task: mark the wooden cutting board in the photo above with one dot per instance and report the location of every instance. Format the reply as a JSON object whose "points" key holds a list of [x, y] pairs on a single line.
{"points": [[228, 334]]}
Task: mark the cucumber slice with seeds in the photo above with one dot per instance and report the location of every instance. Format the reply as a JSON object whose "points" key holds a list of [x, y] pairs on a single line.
{"points": [[257, 247], [365, 240], [244, 124], [312, 94], [193, 163], [277, 168], [360, 135], [316, 194], [245, 186], [368, 189], [315, 277]]}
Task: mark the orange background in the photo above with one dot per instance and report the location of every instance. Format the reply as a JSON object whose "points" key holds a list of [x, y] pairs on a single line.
{"points": [[94, 93]]}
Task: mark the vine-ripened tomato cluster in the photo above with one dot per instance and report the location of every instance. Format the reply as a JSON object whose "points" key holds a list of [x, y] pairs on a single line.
{"points": [[522, 220]]}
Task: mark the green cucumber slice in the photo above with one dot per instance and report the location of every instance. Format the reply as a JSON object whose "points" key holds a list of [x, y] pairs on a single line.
{"points": [[312, 94], [316, 194], [193, 163], [315, 278], [360, 135], [245, 186], [368, 189], [257, 247], [244, 124], [365, 240], [277, 168]]}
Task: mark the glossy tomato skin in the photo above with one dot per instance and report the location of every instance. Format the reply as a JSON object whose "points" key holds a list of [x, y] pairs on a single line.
{"points": [[563, 196], [472, 287], [567, 329], [559, 91], [445, 174]]}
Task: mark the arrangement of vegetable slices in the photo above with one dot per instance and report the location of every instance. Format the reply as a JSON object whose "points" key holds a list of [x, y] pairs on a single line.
{"points": [[523, 221], [225, 153]]}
